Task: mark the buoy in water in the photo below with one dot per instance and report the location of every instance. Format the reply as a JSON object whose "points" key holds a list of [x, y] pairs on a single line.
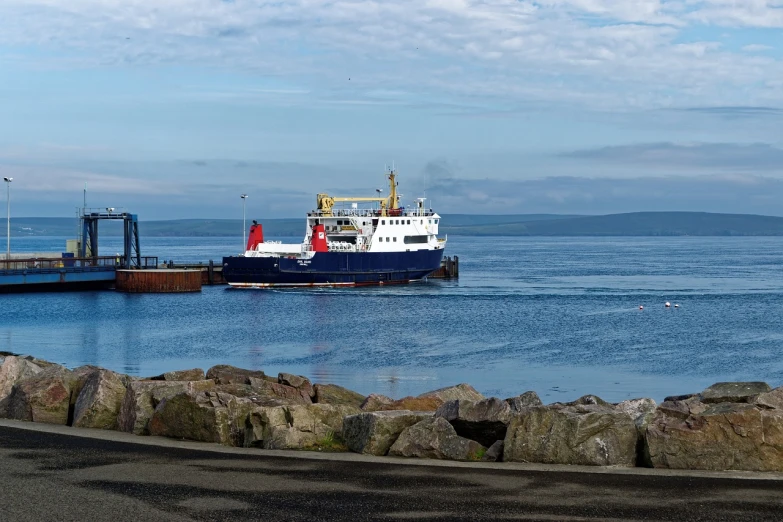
{"points": [[641, 307], [668, 305], [676, 306]]}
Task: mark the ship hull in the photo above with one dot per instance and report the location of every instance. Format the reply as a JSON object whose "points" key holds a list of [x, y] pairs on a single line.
{"points": [[331, 269]]}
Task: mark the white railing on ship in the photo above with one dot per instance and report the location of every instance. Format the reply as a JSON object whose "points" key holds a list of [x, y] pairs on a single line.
{"points": [[341, 246], [372, 213]]}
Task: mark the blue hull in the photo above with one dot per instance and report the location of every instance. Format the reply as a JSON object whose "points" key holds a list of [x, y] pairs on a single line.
{"points": [[332, 269]]}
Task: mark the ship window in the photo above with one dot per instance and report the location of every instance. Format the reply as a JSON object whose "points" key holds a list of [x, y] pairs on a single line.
{"points": [[397, 222], [387, 239], [383, 222], [394, 239], [415, 239], [436, 221], [409, 221]]}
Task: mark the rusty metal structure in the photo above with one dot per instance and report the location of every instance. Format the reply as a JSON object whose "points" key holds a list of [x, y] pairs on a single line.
{"points": [[161, 280]]}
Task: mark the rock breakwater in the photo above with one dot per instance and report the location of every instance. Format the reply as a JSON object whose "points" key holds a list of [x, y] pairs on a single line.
{"points": [[728, 426]]}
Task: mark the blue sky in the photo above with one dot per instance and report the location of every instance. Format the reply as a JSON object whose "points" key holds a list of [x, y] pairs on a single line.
{"points": [[172, 108]]}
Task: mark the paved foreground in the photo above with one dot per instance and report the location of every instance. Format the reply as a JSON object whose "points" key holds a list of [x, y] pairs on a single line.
{"points": [[49, 475]]}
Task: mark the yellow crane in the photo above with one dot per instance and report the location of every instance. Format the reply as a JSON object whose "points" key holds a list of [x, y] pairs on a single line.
{"points": [[325, 202]]}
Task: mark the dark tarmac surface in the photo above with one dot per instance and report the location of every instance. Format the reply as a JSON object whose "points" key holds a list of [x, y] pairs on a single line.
{"points": [[51, 476]]}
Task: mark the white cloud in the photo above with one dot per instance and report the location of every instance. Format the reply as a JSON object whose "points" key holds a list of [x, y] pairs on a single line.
{"points": [[601, 53], [756, 48]]}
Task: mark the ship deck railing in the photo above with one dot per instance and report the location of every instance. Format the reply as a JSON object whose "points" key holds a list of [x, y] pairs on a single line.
{"points": [[373, 213], [341, 246]]}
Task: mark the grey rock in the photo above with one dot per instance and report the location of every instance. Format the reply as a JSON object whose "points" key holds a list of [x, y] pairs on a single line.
{"points": [[435, 438], [641, 411], [299, 382], [142, 397], [583, 434], [202, 416], [44, 397], [13, 370], [373, 433], [494, 453], [733, 392], [297, 427], [771, 400], [375, 402], [451, 393], [272, 393], [720, 436], [586, 400], [337, 395], [484, 421], [686, 396], [529, 399], [99, 400], [226, 374], [195, 374]]}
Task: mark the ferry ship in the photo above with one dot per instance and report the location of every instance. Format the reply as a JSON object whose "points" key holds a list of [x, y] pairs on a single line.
{"points": [[345, 247]]}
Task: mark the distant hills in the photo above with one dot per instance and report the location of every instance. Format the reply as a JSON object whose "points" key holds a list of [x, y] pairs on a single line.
{"points": [[631, 224]]}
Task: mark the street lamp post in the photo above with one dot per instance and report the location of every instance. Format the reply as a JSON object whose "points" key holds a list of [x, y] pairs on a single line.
{"points": [[8, 217], [244, 199]]}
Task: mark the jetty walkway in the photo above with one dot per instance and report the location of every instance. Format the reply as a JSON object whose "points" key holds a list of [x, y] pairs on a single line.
{"points": [[52, 472]]}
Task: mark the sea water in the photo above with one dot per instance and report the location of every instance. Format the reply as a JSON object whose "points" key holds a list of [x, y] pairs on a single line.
{"points": [[559, 316]]}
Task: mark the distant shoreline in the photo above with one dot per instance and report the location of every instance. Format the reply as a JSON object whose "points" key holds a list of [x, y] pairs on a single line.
{"points": [[637, 224]]}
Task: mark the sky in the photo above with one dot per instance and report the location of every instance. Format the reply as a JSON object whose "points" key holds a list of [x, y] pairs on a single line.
{"points": [[174, 108]]}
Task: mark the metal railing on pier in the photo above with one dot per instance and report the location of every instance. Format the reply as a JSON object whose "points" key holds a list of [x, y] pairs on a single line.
{"points": [[79, 263]]}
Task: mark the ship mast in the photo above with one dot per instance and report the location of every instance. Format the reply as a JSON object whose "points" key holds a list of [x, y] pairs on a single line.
{"points": [[394, 199]]}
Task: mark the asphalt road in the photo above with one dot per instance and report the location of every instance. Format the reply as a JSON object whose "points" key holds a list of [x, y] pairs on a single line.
{"points": [[54, 476]]}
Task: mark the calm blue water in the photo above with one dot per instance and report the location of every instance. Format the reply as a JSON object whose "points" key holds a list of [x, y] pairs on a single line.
{"points": [[556, 315]]}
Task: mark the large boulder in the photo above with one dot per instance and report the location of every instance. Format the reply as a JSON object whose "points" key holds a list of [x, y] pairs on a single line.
{"points": [[274, 393], [771, 400], [484, 421], [452, 393], [435, 438], [691, 434], [299, 382], [733, 392], [202, 416], [297, 427], [529, 399], [337, 395], [226, 374], [44, 397], [13, 370], [99, 400], [381, 403], [373, 433], [142, 397], [584, 432]]}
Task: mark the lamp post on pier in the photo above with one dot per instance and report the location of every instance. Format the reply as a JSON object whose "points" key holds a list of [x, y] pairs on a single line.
{"points": [[244, 199], [8, 217]]}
